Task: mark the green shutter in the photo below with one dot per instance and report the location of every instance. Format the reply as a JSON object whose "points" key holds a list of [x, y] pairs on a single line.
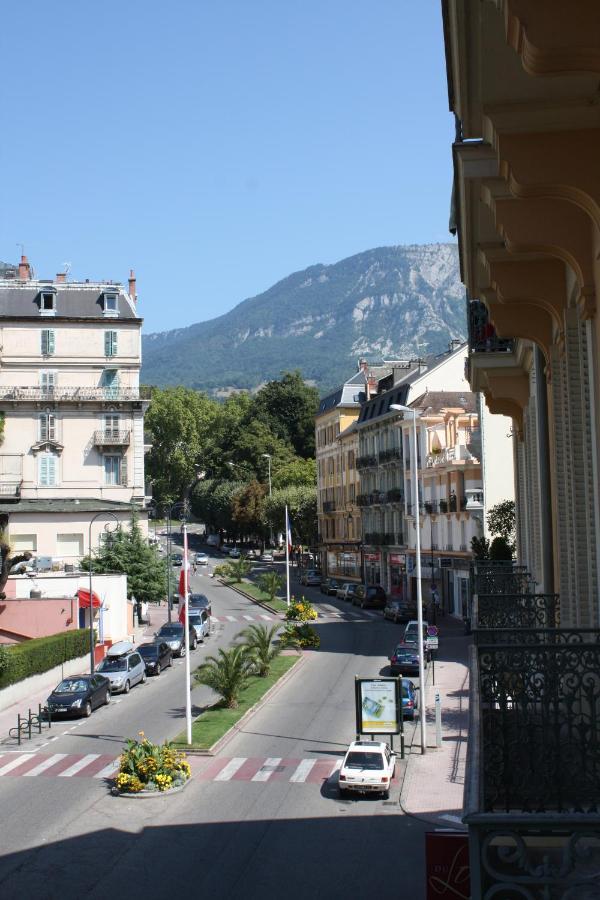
{"points": [[123, 473], [110, 343], [47, 342]]}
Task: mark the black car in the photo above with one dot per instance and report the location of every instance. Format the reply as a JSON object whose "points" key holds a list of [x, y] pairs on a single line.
{"points": [[79, 695], [405, 660], [173, 634], [156, 656], [369, 595], [200, 601], [329, 585]]}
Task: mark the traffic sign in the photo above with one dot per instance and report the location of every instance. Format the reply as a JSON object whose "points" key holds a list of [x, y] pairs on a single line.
{"points": [[432, 631]]}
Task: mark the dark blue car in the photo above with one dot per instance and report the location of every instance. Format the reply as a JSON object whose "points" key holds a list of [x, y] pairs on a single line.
{"points": [[409, 698]]}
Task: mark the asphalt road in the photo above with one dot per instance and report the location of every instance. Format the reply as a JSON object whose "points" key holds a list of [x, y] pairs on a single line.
{"points": [[263, 819]]}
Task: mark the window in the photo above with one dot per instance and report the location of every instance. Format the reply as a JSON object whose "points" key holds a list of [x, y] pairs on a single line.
{"points": [[23, 542], [47, 469], [47, 427], [47, 303], [111, 424], [110, 304], [110, 378], [69, 545], [110, 343], [48, 342], [47, 383], [115, 470]]}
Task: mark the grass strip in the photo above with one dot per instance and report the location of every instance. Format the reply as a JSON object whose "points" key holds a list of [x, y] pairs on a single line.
{"points": [[211, 725]]}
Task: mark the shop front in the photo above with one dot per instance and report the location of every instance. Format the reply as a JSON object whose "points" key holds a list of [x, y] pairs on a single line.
{"points": [[397, 575], [372, 567], [344, 562]]}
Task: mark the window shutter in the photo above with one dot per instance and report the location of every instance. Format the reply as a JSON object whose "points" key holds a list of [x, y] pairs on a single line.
{"points": [[110, 343], [43, 470], [123, 479], [51, 427], [51, 470], [48, 342], [43, 427]]}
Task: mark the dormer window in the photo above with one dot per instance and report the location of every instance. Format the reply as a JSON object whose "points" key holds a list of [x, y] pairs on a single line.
{"points": [[48, 303], [110, 303]]}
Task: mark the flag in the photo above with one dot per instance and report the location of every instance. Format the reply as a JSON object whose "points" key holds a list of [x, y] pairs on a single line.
{"points": [[183, 577], [288, 529]]}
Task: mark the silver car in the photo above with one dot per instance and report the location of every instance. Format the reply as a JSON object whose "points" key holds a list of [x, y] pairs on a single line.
{"points": [[123, 671]]}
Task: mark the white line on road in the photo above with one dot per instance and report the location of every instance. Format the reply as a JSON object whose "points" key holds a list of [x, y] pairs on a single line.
{"points": [[265, 772], [267, 618], [109, 769], [228, 771], [14, 763], [73, 726], [231, 618], [249, 618], [303, 771], [79, 765], [46, 764]]}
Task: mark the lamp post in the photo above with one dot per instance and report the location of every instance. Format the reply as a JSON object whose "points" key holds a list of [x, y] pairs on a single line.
{"points": [[98, 515], [183, 507], [268, 458], [415, 482]]}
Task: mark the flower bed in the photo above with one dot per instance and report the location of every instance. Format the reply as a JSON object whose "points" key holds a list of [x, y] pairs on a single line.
{"points": [[301, 611], [151, 768]]}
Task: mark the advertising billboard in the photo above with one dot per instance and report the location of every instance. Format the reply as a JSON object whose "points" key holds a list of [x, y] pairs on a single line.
{"points": [[378, 707]]}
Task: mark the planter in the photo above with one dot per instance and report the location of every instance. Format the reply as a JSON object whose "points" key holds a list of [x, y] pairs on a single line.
{"points": [[145, 795]]}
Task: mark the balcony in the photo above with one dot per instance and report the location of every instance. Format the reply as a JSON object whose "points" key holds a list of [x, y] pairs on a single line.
{"points": [[111, 438], [395, 495], [328, 506], [11, 475], [431, 507], [482, 334], [393, 455], [366, 462], [37, 394]]}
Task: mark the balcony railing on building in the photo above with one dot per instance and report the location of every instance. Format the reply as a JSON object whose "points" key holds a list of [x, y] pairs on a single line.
{"points": [[392, 455], [366, 462], [482, 334], [76, 394], [384, 538], [112, 438], [328, 506], [532, 797]]}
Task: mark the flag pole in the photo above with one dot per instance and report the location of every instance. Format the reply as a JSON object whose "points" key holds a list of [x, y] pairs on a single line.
{"points": [[287, 554], [186, 628]]}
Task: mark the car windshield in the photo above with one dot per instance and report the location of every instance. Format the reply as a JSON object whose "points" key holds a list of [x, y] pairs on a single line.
{"points": [[149, 650], [72, 686], [358, 760], [171, 630], [112, 665]]}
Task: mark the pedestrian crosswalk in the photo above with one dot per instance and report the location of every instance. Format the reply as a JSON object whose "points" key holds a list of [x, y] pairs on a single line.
{"points": [[324, 614], [63, 765]]}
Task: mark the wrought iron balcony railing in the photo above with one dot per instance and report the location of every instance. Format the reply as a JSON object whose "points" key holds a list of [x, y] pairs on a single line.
{"points": [[502, 611], [394, 454], [76, 394], [482, 334], [112, 438], [395, 495], [366, 462]]}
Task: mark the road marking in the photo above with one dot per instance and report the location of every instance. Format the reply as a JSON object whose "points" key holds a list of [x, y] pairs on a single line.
{"points": [[265, 772], [303, 771], [248, 618], [73, 726], [227, 773], [46, 764], [230, 618], [108, 770], [15, 762], [78, 766], [266, 618]]}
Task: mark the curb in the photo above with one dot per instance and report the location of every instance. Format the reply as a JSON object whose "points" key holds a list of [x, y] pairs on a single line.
{"points": [[150, 795], [218, 745]]}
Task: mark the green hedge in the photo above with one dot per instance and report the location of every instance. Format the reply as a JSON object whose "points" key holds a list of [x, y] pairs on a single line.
{"points": [[40, 654]]}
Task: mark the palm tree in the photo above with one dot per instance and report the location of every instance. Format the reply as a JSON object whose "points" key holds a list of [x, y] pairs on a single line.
{"points": [[238, 569], [269, 583], [227, 673], [259, 642]]}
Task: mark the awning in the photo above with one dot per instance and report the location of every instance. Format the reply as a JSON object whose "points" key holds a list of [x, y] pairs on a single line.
{"points": [[84, 599]]}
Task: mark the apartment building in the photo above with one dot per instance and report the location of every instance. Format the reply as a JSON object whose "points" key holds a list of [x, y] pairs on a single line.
{"points": [[73, 420]]}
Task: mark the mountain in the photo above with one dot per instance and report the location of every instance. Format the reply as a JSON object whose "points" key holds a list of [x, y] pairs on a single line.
{"points": [[387, 303]]}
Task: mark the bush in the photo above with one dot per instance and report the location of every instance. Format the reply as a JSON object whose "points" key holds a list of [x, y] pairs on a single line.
{"points": [[151, 767], [301, 611], [41, 654], [302, 636]]}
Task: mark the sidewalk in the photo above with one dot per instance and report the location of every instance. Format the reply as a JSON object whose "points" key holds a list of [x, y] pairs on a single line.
{"points": [[433, 783]]}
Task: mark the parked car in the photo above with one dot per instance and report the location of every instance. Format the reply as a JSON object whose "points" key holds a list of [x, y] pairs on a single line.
{"points": [[397, 610], [329, 585], [345, 590], [123, 666], [156, 656], [267, 556], [367, 766], [200, 601], [410, 698], [79, 695], [369, 595], [410, 634], [200, 621], [234, 553], [176, 559], [202, 559], [173, 634], [405, 660], [310, 577]]}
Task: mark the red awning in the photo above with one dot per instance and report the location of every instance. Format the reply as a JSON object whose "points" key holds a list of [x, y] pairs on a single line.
{"points": [[84, 599]]}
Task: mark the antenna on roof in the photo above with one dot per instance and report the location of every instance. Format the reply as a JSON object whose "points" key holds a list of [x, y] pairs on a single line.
{"points": [[67, 266], [21, 247]]}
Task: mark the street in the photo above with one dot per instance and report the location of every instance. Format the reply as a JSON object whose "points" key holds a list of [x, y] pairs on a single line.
{"points": [[262, 818]]}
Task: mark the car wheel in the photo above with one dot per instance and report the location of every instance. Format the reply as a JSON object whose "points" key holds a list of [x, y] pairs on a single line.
{"points": [[144, 677], [385, 795], [87, 710], [127, 687], [182, 653], [157, 670], [107, 698]]}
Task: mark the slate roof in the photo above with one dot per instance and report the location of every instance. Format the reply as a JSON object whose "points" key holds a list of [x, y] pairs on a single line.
{"points": [[436, 401], [80, 301], [84, 504]]}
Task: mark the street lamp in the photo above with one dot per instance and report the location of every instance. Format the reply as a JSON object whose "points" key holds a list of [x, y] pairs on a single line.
{"points": [[415, 481], [98, 515], [268, 458], [183, 507]]}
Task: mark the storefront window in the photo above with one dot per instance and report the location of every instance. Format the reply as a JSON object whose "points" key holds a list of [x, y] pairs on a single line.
{"points": [[343, 563]]}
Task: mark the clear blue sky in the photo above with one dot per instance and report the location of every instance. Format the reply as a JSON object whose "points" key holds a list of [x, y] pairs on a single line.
{"points": [[218, 146]]}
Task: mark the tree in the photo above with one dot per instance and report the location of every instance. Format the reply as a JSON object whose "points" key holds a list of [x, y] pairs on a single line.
{"points": [[248, 508], [480, 547], [288, 407], [501, 549], [212, 503], [302, 507], [259, 642], [127, 552], [298, 472], [269, 583], [227, 673], [7, 559], [501, 521], [238, 569]]}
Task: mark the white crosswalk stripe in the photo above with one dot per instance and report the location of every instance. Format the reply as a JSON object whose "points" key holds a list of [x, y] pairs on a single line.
{"points": [[248, 618], [231, 618], [265, 772], [79, 765], [267, 618], [303, 771], [46, 764], [108, 770], [14, 763], [227, 773]]}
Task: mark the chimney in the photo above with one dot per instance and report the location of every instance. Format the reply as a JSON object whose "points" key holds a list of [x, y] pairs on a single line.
{"points": [[61, 277], [132, 292], [363, 365], [24, 268]]}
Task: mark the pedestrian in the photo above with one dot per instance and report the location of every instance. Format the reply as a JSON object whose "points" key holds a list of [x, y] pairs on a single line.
{"points": [[194, 568]]}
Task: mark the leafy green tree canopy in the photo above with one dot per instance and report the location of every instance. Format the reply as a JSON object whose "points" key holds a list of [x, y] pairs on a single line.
{"points": [[501, 520], [302, 507], [288, 407]]}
